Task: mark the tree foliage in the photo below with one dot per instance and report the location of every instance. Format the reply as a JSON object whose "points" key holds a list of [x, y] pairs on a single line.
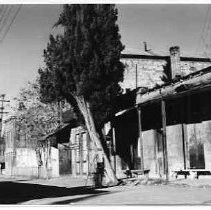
{"points": [[85, 60], [35, 119]]}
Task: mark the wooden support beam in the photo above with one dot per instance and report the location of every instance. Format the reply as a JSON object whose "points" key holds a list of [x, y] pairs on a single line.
{"points": [[165, 154], [81, 154], [114, 147], [183, 128], [140, 139], [188, 115]]}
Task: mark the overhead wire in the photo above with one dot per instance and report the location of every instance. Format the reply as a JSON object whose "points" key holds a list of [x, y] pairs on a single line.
{"points": [[204, 30], [206, 41], [13, 19], [5, 19], [3, 11]]}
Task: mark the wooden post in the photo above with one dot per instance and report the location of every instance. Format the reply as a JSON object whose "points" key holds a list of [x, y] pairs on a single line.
{"points": [[81, 153], [182, 119], [88, 153], [163, 114], [140, 139], [136, 76], [188, 114], [114, 147]]}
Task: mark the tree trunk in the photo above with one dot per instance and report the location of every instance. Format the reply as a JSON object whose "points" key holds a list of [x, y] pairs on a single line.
{"points": [[94, 136]]}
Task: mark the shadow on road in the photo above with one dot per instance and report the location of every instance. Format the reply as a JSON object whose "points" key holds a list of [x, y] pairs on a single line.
{"points": [[14, 193]]}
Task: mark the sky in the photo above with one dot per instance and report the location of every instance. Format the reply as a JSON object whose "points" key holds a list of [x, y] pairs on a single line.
{"points": [[161, 26]]}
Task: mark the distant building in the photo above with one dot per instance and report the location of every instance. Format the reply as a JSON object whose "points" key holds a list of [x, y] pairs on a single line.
{"points": [[45, 158], [2, 150]]}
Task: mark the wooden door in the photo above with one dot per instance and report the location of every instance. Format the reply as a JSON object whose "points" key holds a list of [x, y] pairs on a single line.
{"points": [[81, 154]]}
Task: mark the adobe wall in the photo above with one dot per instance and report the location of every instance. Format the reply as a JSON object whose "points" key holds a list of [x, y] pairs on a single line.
{"points": [[153, 157], [24, 162], [21, 162], [206, 125], [149, 151], [201, 133], [175, 147]]}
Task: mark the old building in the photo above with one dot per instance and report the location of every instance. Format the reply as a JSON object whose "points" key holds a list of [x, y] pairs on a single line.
{"points": [[147, 70], [168, 129], [20, 155], [45, 158], [142, 72], [69, 150]]}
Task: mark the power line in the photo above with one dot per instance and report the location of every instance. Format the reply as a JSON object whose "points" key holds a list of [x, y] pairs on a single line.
{"points": [[5, 18], [206, 21], [8, 28], [3, 12]]}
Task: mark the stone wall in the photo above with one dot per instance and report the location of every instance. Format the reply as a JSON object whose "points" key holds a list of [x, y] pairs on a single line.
{"points": [[151, 70], [188, 67], [148, 73]]}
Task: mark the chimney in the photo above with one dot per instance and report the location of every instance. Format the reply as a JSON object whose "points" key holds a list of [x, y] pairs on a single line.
{"points": [[175, 62], [145, 47]]}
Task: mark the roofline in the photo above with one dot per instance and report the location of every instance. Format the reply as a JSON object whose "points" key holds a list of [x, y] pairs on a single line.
{"points": [[139, 56], [10, 119], [163, 91]]}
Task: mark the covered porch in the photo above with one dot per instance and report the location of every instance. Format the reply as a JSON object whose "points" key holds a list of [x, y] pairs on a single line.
{"points": [[168, 129]]}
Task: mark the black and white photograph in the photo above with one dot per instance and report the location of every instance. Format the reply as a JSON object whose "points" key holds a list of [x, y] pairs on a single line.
{"points": [[105, 104]]}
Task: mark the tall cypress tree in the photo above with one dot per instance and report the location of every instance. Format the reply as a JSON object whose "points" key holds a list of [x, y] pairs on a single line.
{"points": [[83, 66]]}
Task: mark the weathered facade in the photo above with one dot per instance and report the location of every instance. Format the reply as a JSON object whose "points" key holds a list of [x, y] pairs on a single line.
{"points": [[70, 151], [37, 160], [123, 139], [187, 127], [170, 130], [2, 151], [147, 70]]}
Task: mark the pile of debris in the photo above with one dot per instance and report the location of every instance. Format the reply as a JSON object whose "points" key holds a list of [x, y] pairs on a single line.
{"points": [[141, 181]]}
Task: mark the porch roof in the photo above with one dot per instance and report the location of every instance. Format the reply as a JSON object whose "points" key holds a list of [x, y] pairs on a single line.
{"points": [[193, 83]]}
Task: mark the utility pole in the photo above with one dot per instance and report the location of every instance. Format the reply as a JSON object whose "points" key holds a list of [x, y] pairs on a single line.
{"points": [[2, 112]]}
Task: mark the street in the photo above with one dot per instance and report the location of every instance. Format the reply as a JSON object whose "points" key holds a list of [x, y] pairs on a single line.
{"points": [[69, 190]]}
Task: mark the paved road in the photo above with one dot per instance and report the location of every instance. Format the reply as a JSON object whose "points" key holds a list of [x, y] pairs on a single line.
{"points": [[67, 190]]}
